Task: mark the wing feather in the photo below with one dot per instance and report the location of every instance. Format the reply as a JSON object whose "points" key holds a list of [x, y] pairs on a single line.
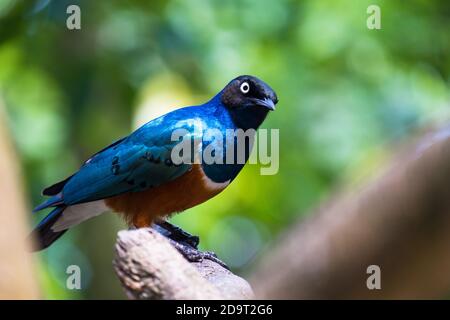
{"points": [[137, 163]]}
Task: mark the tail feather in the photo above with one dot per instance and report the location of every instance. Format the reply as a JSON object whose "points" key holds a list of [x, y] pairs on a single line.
{"points": [[43, 235], [56, 188], [54, 201]]}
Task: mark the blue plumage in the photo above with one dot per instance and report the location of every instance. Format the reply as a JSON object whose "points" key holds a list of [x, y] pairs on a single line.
{"points": [[43, 232]]}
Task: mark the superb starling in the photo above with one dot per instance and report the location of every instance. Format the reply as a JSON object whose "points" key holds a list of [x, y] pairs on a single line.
{"points": [[136, 175]]}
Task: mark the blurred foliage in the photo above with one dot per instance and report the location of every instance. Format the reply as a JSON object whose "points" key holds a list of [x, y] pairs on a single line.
{"points": [[345, 91]]}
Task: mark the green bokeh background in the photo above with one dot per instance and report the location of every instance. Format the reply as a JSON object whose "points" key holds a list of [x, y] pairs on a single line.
{"points": [[346, 92]]}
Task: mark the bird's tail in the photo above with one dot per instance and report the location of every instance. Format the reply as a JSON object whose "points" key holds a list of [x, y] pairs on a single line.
{"points": [[43, 235]]}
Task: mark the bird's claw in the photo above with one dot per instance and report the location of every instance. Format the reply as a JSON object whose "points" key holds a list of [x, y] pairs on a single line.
{"points": [[186, 243], [176, 234], [213, 257], [193, 255]]}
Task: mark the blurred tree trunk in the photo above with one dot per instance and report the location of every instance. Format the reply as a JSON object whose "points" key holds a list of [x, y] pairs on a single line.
{"points": [[17, 278], [399, 222]]}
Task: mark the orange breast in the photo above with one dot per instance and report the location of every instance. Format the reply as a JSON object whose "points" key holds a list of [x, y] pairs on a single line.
{"points": [[144, 207]]}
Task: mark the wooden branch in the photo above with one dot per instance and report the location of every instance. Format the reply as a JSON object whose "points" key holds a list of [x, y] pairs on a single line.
{"points": [[149, 267], [400, 222]]}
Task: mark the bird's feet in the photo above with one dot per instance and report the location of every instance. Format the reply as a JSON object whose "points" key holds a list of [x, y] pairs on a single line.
{"points": [[193, 255], [176, 234], [186, 243]]}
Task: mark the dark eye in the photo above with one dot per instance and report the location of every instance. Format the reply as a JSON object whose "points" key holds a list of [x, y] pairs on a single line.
{"points": [[245, 87]]}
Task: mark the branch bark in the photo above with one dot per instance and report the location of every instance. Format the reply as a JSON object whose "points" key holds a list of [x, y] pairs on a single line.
{"points": [[150, 268]]}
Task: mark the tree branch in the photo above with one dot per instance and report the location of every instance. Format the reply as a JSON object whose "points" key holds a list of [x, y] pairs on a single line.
{"points": [[149, 267]]}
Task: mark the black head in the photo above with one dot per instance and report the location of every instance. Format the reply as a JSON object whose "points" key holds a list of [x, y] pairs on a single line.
{"points": [[248, 92]]}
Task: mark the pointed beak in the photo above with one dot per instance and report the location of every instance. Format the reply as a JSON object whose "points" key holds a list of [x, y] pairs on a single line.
{"points": [[267, 103]]}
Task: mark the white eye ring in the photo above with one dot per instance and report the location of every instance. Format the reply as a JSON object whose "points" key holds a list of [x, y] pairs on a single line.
{"points": [[245, 87]]}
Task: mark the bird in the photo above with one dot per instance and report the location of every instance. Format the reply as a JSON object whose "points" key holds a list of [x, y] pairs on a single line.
{"points": [[136, 176]]}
